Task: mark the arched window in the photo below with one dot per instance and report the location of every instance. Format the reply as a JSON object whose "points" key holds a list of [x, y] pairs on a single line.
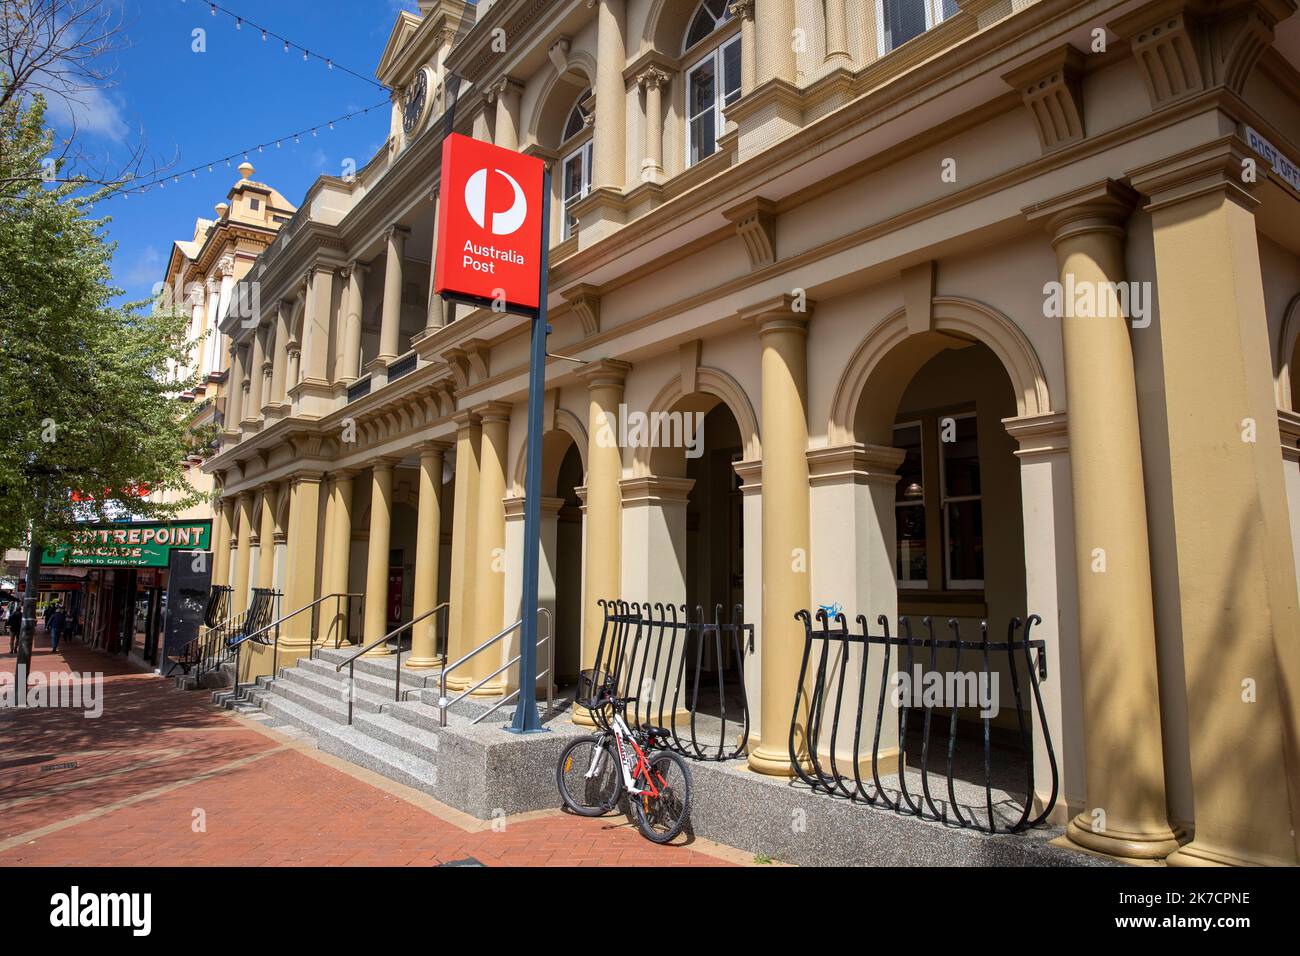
{"points": [[903, 20], [711, 15], [575, 167], [712, 81]]}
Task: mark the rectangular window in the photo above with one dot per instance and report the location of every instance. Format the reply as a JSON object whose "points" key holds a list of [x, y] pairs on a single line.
{"points": [[711, 85], [963, 518], [903, 20], [576, 178], [912, 557], [254, 204]]}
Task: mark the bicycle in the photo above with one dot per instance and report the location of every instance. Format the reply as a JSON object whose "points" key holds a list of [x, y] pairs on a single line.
{"points": [[594, 771]]}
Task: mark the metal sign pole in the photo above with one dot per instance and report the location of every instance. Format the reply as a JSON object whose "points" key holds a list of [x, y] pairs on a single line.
{"points": [[526, 718]]}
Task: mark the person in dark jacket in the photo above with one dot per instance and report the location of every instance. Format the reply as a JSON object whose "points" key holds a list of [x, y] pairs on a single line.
{"points": [[15, 626], [55, 623]]}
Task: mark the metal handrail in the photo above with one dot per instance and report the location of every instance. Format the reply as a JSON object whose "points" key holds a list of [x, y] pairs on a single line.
{"points": [[550, 669], [444, 704], [292, 614], [311, 640], [397, 683]]}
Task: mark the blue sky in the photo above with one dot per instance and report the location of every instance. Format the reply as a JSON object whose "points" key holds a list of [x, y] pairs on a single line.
{"points": [[190, 108]]}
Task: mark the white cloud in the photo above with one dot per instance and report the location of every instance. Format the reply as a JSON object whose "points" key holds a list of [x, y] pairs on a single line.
{"points": [[147, 268], [92, 111]]}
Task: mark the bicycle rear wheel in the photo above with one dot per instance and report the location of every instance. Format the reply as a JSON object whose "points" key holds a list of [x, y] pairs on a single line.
{"points": [[589, 796], [664, 816]]}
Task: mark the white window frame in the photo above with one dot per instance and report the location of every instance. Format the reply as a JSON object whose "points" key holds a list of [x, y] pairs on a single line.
{"points": [[584, 155], [720, 125], [951, 583], [933, 17], [898, 505]]}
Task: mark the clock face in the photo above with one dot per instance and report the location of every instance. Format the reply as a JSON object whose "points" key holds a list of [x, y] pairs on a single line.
{"points": [[416, 95]]}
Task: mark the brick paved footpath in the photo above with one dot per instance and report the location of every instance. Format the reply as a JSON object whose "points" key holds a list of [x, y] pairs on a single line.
{"points": [[157, 755]]}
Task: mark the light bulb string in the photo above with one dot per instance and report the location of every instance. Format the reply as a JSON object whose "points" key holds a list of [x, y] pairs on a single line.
{"points": [[288, 44], [258, 147]]}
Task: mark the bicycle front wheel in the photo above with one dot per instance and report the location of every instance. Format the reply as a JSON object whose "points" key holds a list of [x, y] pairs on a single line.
{"points": [[661, 817], [589, 776]]}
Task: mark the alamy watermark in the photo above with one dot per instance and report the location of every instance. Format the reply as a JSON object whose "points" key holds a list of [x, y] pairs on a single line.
{"points": [[65, 690], [1098, 300], [945, 689], [653, 430]]}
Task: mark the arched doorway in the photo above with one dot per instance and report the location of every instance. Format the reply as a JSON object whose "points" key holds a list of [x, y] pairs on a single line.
{"points": [[559, 584]]}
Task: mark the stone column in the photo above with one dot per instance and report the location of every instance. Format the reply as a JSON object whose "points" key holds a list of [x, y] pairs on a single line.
{"points": [[338, 555], [783, 335], [837, 30], [391, 321], [349, 366], [235, 389], [225, 520], [1124, 769], [266, 538], [611, 98], [316, 325], [653, 81], [744, 9], [774, 49], [280, 364], [436, 315], [490, 593], [507, 93], [424, 636], [381, 518], [300, 574], [243, 552], [1231, 525], [268, 372], [464, 557], [602, 574], [253, 382]]}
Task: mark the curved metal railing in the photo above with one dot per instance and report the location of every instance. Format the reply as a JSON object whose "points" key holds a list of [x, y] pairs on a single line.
{"points": [[823, 683], [660, 655]]}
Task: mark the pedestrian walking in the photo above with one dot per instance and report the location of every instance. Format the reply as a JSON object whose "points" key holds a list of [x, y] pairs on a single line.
{"points": [[15, 626], [55, 624]]}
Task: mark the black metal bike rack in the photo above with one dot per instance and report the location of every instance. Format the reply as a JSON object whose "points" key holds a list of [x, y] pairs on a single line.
{"points": [[826, 662], [644, 639]]}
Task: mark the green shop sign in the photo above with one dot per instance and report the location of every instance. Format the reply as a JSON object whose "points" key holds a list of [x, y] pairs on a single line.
{"points": [[132, 545]]}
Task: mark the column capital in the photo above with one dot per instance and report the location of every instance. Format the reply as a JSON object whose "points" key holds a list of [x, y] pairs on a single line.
{"points": [[465, 419], [604, 372], [1098, 207], [505, 86], [742, 8], [309, 477], [354, 267], [385, 463], [493, 412], [653, 77], [750, 474], [434, 447], [1214, 167], [396, 230], [783, 313], [1039, 435], [344, 474]]}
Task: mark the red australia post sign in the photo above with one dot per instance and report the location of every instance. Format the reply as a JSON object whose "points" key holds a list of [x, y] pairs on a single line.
{"points": [[489, 223]]}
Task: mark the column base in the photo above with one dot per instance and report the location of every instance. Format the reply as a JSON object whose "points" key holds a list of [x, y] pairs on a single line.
{"points": [[1194, 854], [770, 763], [582, 717], [1153, 845], [383, 650], [491, 690], [423, 663]]}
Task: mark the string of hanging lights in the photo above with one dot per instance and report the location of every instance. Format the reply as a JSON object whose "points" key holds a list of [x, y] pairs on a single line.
{"points": [[278, 142], [268, 35]]}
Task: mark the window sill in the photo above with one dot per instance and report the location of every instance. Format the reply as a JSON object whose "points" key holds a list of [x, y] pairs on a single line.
{"points": [[942, 604]]}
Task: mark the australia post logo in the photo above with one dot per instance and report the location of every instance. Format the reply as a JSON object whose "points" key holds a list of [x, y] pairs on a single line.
{"points": [[489, 223]]}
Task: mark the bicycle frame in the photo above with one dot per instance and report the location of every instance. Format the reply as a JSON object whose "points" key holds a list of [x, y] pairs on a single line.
{"points": [[622, 735]]}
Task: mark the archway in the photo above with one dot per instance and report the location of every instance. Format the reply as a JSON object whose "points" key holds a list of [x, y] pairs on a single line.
{"points": [[559, 585], [924, 540]]}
